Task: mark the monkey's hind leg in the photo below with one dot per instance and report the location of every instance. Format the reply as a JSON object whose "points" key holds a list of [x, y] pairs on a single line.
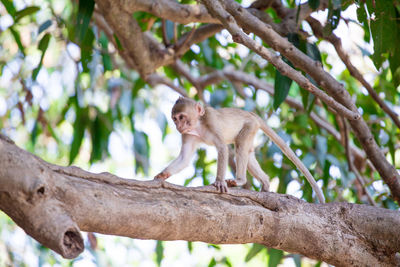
{"points": [[255, 170], [243, 147]]}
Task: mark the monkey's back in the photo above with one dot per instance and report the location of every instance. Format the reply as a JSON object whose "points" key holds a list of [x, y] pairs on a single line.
{"points": [[228, 122]]}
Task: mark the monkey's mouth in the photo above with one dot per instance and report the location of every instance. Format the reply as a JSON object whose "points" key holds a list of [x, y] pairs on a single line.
{"points": [[184, 130]]}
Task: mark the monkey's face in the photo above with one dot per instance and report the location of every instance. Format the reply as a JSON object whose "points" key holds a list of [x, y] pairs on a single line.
{"points": [[184, 122]]}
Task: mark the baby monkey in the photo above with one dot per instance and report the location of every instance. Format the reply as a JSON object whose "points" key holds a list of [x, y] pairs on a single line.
{"points": [[220, 127]]}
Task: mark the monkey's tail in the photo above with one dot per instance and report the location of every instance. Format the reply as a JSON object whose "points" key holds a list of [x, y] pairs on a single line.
{"points": [[292, 156]]}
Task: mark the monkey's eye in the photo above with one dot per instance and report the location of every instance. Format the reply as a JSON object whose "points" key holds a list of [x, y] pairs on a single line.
{"points": [[181, 117]]}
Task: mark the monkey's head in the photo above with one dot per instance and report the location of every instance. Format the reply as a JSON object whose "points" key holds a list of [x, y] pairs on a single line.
{"points": [[186, 114]]}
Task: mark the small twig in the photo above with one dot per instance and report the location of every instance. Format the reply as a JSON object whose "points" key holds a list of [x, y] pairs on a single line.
{"points": [[154, 79], [350, 162], [180, 68], [186, 39]]}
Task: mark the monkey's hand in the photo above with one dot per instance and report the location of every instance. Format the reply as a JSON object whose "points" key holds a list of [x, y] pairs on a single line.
{"points": [[221, 186], [162, 176]]}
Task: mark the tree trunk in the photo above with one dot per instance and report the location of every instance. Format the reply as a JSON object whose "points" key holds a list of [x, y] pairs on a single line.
{"points": [[53, 203]]}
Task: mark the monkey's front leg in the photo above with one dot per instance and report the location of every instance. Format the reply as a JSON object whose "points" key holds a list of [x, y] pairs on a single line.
{"points": [[189, 145], [222, 162]]}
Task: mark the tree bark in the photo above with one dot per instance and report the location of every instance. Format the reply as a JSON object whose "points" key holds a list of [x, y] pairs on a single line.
{"points": [[53, 203]]}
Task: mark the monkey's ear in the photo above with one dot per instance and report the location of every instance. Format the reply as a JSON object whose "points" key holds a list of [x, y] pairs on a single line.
{"points": [[200, 109]]}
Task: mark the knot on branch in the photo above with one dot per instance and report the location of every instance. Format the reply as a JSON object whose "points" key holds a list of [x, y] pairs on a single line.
{"points": [[237, 38]]}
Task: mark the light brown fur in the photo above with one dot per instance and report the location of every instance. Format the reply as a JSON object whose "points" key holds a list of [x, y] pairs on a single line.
{"points": [[220, 127]]}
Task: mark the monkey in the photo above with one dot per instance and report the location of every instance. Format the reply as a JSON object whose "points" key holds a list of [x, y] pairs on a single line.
{"points": [[221, 127]]}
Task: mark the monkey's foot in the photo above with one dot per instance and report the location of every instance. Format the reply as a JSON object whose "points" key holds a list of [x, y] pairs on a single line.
{"points": [[231, 183], [221, 186], [265, 188], [162, 176]]}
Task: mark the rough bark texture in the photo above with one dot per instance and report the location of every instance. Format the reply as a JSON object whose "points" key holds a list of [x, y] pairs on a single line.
{"points": [[52, 203]]}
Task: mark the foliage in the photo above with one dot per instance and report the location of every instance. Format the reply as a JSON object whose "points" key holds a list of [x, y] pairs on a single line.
{"points": [[66, 93]]}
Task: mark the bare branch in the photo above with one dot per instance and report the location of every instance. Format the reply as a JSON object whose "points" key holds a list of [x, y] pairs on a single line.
{"points": [[337, 43], [198, 36], [239, 36]]}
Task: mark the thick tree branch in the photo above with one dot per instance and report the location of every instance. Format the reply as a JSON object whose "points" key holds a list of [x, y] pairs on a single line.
{"points": [[171, 10], [130, 34], [47, 202]]}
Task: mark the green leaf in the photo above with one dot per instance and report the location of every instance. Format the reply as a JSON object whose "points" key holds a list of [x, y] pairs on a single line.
{"points": [[212, 263], [100, 133], [25, 12], [227, 262], [297, 260], [79, 130], [275, 257], [392, 150], [218, 97], [44, 26], [107, 63], [394, 60], [118, 42], [207, 52], [86, 50], [314, 4], [159, 252], [190, 247], [162, 123], [336, 4], [384, 31], [43, 45], [321, 149], [255, 249], [17, 39], [281, 88], [141, 148], [170, 30], [308, 159], [85, 11], [313, 52], [35, 132], [9, 7]]}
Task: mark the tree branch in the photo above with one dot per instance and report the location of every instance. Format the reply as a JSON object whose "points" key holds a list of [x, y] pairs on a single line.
{"points": [[335, 89], [130, 34], [337, 43], [47, 202], [171, 10], [239, 36], [352, 168], [154, 79]]}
